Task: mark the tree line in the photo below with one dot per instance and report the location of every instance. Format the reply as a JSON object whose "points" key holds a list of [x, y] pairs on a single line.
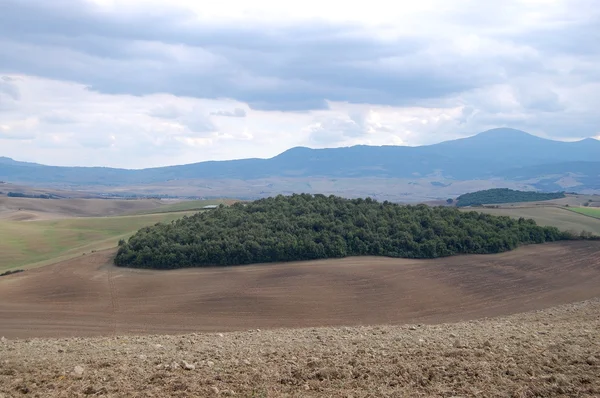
{"points": [[23, 195], [504, 195], [308, 227]]}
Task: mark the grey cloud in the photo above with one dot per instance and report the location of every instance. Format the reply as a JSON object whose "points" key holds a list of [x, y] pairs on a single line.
{"points": [[95, 141], [540, 99], [332, 131], [195, 120], [576, 39], [303, 65], [466, 114], [58, 118], [237, 112], [165, 112], [8, 88], [16, 135], [198, 124]]}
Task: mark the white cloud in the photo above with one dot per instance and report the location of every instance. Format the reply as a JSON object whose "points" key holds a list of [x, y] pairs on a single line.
{"points": [[237, 112], [137, 83]]}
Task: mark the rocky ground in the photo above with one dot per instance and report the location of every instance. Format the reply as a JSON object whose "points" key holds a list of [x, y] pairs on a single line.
{"points": [[554, 352]]}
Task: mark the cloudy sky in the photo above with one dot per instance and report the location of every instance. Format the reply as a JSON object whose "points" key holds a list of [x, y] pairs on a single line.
{"points": [[140, 83]]}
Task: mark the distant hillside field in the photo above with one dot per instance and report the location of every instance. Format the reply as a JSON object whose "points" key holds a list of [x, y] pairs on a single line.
{"points": [[307, 227], [189, 205], [23, 243], [588, 211], [558, 217], [504, 195], [77, 207]]}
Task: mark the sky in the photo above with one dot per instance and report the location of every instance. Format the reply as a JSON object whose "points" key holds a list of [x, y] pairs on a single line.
{"points": [[145, 83]]}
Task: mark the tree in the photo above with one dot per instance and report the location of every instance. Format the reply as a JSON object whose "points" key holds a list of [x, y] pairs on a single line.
{"points": [[449, 201], [304, 227], [504, 195]]}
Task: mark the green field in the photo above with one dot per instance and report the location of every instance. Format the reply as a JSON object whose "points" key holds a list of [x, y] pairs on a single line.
{"points": [[588, 211], [551, 216], [36, 243]]}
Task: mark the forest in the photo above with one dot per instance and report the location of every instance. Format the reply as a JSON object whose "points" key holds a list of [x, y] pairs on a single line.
{"points": [[307, 227], [504, 195]]}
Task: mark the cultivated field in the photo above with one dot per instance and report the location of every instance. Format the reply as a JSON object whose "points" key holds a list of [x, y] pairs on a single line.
{"points": [[360, 327], [34, 243], [561, 218], [89, 296], [550, 353], [588, 211], [570, 200], [35, 209]]}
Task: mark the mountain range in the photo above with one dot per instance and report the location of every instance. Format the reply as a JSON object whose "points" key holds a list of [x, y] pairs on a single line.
{"points": [[503, 153]]}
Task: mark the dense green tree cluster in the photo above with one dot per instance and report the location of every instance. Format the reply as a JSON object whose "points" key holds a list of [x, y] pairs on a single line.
{"points": [[305, 227], [22, 195], [504, 195]]}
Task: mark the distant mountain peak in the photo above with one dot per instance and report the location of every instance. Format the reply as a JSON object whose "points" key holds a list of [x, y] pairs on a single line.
{"points": [[502, 130], [9, 161], [507, 133]]}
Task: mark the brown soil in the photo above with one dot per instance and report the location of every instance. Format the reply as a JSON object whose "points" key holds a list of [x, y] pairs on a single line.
{"points": [[87, 296], [551, 353]]}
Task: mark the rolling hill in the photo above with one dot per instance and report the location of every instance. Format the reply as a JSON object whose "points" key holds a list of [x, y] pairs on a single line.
{"points": [[499, 153]]}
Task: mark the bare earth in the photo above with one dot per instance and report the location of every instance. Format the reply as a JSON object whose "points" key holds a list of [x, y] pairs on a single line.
{"points": [[551, 353], [88, 296]]}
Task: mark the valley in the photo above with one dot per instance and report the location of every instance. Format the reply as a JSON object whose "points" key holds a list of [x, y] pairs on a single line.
{"points": [[179, 326]]}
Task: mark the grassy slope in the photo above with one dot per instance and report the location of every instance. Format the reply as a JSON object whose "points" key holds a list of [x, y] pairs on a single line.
{"points": [[588, 211], [35, 243], [551, 216]]}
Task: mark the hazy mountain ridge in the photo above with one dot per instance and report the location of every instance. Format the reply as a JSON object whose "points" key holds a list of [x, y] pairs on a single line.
{"points": [[499, 153]]}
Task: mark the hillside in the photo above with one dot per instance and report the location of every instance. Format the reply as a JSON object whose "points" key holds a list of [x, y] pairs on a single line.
{"points": [[504, 195], [549, 353], [307, 227], [25, 241], [75, 207], [498, 153]]}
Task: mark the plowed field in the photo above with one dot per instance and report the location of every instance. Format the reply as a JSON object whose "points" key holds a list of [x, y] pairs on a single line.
{"points": [[89, 296]]}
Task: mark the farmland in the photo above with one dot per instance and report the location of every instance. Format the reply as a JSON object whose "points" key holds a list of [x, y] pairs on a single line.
{"points": [[87, 295], [24, 209], [559, 217], [360, 326], [588, 211], [35, 243], [550, 353]]}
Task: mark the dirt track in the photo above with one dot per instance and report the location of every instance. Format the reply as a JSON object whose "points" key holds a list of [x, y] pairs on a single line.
{"points": [[88, 296]]}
